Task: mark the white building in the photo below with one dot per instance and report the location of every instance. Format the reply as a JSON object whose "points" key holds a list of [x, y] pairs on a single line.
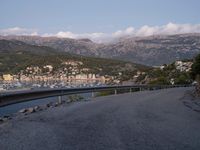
{"points": [[49, 67], [183, 66]]}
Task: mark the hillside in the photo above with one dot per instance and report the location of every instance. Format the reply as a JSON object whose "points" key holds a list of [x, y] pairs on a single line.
{"points": [[153, 50], [156, 50], [16, 56], [82, 46]]}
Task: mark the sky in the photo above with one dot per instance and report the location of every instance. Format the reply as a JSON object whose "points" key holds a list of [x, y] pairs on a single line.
{"points": [[98, 20]]}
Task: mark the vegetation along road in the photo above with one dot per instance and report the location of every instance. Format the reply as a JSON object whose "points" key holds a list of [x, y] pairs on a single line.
{"points": [[147, 120]]}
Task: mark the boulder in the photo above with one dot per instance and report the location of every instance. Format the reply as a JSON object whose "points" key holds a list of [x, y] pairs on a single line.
{"points": [[23, 110], [49, 104], [56, 104], [36, 108], [30, 110], [6, 117]]}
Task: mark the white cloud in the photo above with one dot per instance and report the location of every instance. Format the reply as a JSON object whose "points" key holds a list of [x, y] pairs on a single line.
{"points": [[127, 31], [147, 31], [170, 28], [97, 36], [18, 31], [66, 34]]}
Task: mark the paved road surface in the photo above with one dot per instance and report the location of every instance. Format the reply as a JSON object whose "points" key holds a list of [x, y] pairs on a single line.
{"points": [[148, 120]]}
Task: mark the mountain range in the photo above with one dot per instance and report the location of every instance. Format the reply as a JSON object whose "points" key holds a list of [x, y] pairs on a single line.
{"points": [[152, 51], [17, 55]]}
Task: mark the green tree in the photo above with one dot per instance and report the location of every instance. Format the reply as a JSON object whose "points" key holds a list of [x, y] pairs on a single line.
{"points": [[160, 81], [182, 79], [196, 67]]}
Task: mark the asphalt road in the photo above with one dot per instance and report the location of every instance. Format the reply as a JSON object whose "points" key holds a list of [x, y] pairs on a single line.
{"points": [[148, 120]]}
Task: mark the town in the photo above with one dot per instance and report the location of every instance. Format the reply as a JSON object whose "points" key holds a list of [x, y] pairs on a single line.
{"points": [[35, 77], [73, 75]]}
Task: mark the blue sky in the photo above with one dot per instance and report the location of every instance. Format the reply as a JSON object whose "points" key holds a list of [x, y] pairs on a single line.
{"points": [[88, 16]]}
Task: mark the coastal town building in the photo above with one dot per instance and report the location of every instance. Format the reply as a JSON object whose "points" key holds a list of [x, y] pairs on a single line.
{"points": [[183, 66], [7, 77]]}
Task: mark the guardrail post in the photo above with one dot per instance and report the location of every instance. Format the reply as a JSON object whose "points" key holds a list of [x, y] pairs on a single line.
{"points": [[59, 99], [92, 94], [130, 90], [115, 91]]}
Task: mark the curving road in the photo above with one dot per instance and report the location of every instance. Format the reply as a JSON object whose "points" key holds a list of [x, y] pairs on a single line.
{"points": [[148, 120]]}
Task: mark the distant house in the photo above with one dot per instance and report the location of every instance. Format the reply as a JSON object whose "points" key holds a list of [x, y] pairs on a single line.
{"points": [[73, 63], [81, 77], [7, 77], [183, 66], [91, 76], [162, 67], [49, 67]]}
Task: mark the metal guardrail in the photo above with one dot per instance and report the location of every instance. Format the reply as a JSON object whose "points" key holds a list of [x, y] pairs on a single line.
{"points": [[22, 96]]}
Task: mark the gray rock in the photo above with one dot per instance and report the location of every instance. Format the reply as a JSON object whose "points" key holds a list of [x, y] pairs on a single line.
{"points": [[23, 110], [6, 117], [49, 104], [56, 104], [36, 108], [30, 110]]}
